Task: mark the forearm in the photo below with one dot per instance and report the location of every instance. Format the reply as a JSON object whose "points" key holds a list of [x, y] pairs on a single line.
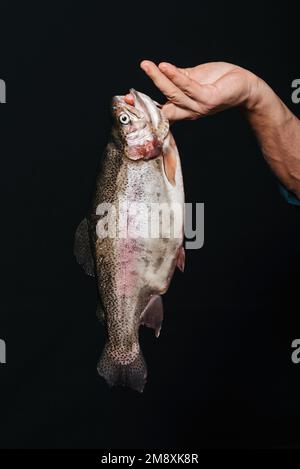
{"points": [[278, 132]]}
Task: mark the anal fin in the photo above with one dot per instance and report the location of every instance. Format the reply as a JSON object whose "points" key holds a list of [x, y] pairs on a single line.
{"points": [[181, 259], [153, 314]]}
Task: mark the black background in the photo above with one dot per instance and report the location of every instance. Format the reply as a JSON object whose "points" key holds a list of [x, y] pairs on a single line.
{"points": [[221, 373]]}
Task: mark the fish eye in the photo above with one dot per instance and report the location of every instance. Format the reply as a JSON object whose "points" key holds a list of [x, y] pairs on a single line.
{"points": [[124, 118]]}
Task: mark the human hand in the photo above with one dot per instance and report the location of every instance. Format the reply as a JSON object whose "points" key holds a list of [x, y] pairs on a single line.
{"points": [[205, 89]]}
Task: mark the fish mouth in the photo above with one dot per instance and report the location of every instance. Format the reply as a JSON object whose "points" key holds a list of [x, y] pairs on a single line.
{"points": [[140, 105], [127, 102], [148, 129], [146, 105]]}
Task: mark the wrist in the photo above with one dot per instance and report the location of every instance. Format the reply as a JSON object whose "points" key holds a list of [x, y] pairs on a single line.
{"points": [[258, 94], [262, 105]]}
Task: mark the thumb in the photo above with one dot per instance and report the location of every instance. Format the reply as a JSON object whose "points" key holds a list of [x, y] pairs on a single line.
{"points": [[175, 113]]}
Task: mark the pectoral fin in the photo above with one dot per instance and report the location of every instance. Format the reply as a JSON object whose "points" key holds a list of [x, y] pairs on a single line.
{"points": [[181, 259], [153, 314], [170, 159]]}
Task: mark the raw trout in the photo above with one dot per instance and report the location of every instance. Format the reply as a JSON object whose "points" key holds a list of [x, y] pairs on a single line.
{"points": [[140, 169]]}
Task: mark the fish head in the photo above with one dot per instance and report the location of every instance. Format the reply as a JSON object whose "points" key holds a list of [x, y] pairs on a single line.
{"points": [[139, 126]]}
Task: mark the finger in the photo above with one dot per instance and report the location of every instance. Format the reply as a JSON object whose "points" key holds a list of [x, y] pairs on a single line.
{"points": [[160, 80], [169, 89], [175, 113], [181, 79], [186, 71]]}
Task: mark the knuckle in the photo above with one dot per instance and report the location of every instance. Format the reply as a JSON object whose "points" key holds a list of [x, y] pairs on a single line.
{"points": [[187, 86], [174, 96]]}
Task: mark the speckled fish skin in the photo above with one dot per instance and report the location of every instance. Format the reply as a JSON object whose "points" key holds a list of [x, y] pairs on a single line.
{"points": [[140, 164]]}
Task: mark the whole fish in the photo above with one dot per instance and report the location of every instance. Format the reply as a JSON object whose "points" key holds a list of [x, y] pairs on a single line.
{"points": [[133, 259]]}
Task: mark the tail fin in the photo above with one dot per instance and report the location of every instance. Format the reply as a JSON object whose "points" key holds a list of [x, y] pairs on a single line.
{"points": [[133, 375]]}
